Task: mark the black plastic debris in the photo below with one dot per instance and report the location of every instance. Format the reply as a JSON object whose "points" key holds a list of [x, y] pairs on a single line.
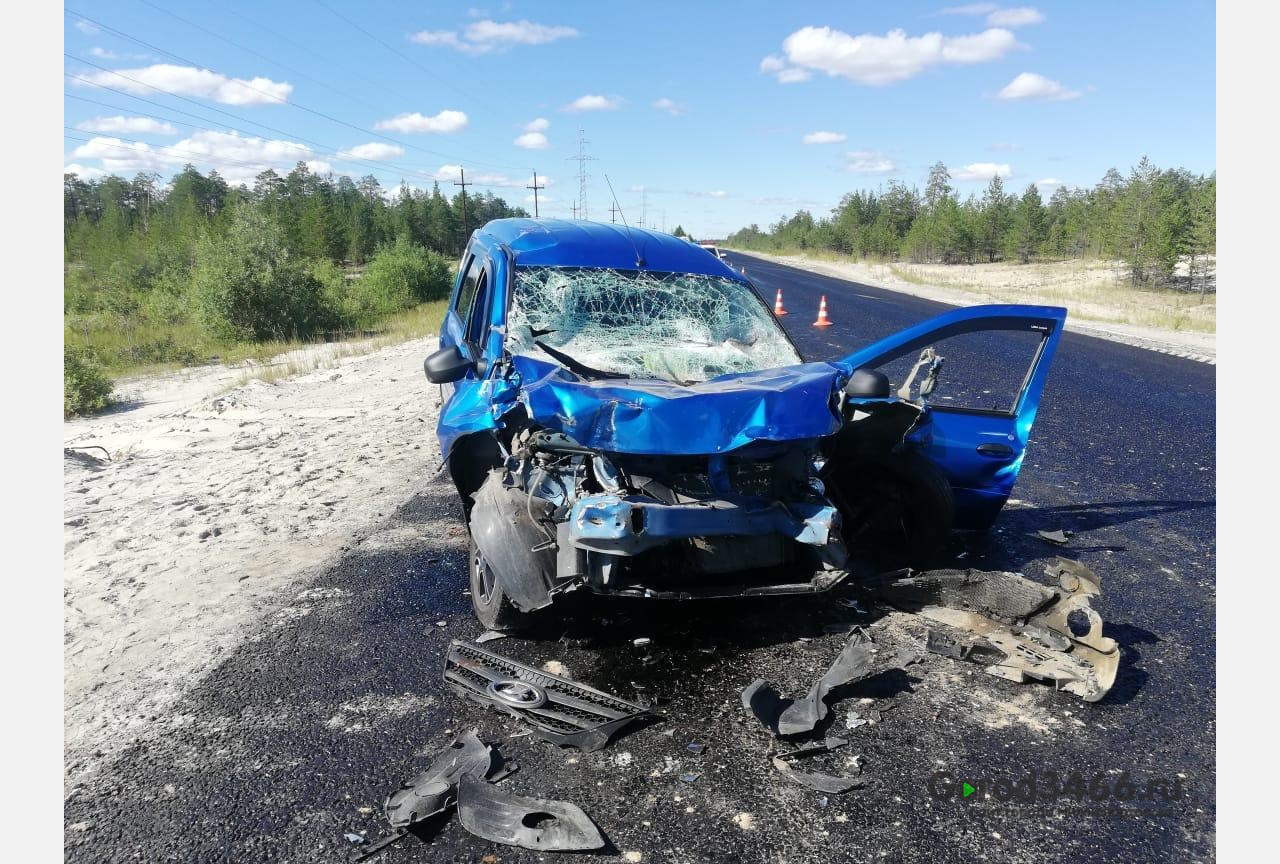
{"points": [[784, 716], [828, 783], [530, 823], [436, 789], [557, 709], [1057, 538], [826, 745]]}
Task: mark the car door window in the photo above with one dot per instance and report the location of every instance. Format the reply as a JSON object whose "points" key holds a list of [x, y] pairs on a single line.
{"points": [[979, 371], [466, 295], [478, 317]]}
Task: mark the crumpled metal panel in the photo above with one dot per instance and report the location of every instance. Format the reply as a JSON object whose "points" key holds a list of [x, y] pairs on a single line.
{"points": [[658, 417]]}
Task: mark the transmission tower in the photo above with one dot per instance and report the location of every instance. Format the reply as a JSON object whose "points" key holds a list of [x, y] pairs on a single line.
{"points": [[582, 159]]}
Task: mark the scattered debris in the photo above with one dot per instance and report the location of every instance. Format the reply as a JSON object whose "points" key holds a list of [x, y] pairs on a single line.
{"points": [[695, 747], [1057, 538], [357, 839], [826, 745], [1018, 629], [784, 716], [530, 823], [490, 636], [821, 782], [745, 821], [641, 641], [690, 776], [853, 721], [435, 790], [562, 711]]}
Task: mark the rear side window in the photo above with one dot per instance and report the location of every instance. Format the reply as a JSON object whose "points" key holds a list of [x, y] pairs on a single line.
{"points": [[469, 283]]}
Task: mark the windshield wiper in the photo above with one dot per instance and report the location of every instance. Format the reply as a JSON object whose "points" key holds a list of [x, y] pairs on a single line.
{"points": [[576, 367]]}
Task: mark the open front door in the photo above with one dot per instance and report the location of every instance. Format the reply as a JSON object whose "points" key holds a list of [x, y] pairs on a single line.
{"points": [[980, 372]]}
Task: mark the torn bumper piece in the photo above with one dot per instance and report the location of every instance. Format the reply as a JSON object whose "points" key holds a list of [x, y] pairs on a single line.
{"points": [[559, 710], [629, 525], [1018, 629], [783, 716], [530, 823]]}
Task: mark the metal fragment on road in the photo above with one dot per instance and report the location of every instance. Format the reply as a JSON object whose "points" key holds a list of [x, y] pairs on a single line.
{"points": [[489, 636], [826, 745], [530, 823], [1017, 629], [556, 708]]}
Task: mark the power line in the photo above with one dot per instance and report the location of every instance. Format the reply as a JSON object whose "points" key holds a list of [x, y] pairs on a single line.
{"points": [[404, 57], [265, 93], [257, 54]]}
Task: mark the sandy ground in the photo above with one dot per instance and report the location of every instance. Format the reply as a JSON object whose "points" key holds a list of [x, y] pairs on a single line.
{"points": [[1121, 316], [212, 503]]}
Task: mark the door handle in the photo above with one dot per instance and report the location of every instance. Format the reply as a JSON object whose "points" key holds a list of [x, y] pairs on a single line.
{"points": [[995, 451]]}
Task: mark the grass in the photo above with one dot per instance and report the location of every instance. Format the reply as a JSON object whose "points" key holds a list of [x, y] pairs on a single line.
{"points": [[148, 349], [291, 359]]}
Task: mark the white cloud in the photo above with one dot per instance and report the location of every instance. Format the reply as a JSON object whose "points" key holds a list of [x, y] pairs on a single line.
{"points": [[102, 53], [141, 125], [445, 122], [489, 37], [83, 172], [1018, 17], [237, 158], [190, 81], [538, 124], [824, 137], [794, 75], [86, 27], [877, 60], [318, 166], [1029, 85], [593, 102], [671, 107], [532, 141], [375, 151], [1049, 181], [983, 171], [870, 162]]}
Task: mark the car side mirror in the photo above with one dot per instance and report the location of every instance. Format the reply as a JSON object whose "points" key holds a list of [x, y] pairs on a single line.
{"points": [[446, 365]]}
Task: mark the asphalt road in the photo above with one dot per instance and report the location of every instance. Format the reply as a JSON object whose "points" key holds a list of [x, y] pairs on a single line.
{"points": [[295, 740]]}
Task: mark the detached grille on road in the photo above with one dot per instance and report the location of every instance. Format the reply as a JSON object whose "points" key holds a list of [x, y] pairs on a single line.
{"points": [[562, 711]]}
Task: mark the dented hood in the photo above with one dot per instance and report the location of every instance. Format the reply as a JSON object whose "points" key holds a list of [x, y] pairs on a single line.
{"points": [[660, 417]]}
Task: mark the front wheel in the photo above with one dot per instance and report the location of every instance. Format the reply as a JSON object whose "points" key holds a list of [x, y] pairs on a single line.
{"points": [[492, 606]]}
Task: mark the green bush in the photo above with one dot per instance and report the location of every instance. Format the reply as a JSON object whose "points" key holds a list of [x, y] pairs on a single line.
{"points": [[399, 275], [247, 287], [85, 386]]}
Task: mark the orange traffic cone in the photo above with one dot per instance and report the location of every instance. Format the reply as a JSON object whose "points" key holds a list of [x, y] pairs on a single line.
{"points": [[777, 305], [823, 320]]}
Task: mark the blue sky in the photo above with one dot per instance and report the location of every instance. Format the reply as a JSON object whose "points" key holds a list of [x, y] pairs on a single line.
{"points": [[705, 106]]}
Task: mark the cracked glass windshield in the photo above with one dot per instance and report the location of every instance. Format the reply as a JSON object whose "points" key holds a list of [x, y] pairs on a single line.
{"points": [[679, 327]]}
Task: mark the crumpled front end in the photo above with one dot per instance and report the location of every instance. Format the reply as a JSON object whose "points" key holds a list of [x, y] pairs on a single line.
{"points": [[754, 521]]}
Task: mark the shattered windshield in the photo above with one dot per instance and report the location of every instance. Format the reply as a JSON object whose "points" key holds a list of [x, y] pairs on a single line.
{"points": [[681, 327]]}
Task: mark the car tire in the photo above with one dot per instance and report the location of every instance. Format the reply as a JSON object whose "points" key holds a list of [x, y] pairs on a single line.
{"points": [[906, 507], [492, 606]]}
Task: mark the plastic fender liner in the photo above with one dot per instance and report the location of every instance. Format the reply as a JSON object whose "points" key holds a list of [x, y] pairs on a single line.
{"points": [[435, 790], [562, 711], [505, 533], [531, 823]]}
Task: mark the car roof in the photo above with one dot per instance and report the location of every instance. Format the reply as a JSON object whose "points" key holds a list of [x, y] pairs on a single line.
{"points": [[579, 243]]}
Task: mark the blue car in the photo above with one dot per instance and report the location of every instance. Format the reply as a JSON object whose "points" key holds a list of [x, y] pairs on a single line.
{"points": [[624, 415]]}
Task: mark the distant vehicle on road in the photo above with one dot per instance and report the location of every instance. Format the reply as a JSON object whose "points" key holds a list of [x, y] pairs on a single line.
{"points": [[711, 247], [624, 415]]}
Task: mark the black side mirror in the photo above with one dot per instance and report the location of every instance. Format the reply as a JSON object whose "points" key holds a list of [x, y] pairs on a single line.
{"points": [[446, 365]]}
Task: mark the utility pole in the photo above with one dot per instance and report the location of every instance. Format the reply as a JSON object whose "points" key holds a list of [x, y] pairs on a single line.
{"points": [[613, 212], [582, 159], [575, 209], [462, 181], [644, 206], [535, 187]]}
